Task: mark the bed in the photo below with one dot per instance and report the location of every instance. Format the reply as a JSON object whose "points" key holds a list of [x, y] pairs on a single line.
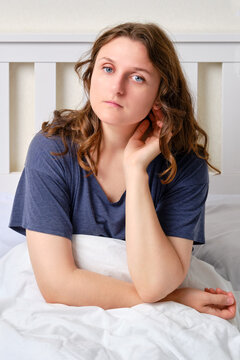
{"points": [[33, 329]]}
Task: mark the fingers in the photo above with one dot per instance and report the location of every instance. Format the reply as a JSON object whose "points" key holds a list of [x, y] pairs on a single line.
{"points": [[230, 299], [211, 302], [218, 291], [158, 116], [158, 113], [141, 129], [222, 299], [225, 313], [159, 121], [221, 303], [144, 125]]}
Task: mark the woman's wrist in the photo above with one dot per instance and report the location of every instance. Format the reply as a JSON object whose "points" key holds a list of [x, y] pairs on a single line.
{"points": [[135, 174], [175, 296]]}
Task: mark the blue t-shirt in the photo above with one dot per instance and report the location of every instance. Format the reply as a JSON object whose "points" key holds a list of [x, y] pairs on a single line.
{"points": [[55, 196]]}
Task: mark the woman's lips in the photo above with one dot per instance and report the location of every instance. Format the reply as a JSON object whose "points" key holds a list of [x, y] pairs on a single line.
{"points": [[113, 103]]}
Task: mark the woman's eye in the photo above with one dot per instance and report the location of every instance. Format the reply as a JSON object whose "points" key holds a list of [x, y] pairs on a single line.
{"points": [[107, 69], [138, 78]]}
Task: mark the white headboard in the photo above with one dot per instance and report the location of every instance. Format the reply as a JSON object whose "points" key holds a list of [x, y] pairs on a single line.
{"points": [[45, 51]]}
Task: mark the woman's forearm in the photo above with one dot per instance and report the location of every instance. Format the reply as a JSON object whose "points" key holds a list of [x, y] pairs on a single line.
{"points": [[154, 265], [87, 288]]}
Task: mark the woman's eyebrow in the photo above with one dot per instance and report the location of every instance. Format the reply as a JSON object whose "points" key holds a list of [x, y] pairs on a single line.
{"points": [[134, 68]]}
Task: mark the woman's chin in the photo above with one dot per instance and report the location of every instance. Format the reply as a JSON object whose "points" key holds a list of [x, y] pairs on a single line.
{"points": [[118, 123], [118, 120]]}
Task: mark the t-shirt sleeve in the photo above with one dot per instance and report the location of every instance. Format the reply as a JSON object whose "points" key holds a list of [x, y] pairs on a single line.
{"points": [[42, 199], [181, 209]]}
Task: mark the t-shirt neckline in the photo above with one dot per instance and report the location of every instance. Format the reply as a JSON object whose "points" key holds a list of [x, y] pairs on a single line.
{"points": [[103, 194]]}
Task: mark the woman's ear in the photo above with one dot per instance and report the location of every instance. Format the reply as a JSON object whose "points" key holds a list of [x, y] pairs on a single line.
{"points": [[156, 106]]}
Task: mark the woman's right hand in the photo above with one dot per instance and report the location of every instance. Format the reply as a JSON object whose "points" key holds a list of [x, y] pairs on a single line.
{"points": [[209, 301]]}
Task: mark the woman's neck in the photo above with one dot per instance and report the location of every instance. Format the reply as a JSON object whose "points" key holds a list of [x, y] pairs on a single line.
{"points": [[115, 138]]}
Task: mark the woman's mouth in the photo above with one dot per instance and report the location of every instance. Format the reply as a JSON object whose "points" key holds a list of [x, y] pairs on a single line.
{"points": [[113, 103]]}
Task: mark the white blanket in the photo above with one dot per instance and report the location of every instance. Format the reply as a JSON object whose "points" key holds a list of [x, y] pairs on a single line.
{"points": [[32, 329]]}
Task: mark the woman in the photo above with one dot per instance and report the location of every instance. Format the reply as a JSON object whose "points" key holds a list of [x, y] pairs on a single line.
{"points": [[129, 166]]}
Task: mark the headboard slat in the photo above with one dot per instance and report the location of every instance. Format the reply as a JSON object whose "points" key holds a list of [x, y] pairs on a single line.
{"points": [[231, 118], [5, 119], [45, 92], [191, 73]]}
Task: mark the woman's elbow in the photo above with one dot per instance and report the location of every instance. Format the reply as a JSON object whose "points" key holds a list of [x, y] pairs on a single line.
{"points": [[160, 289], [150, 296], [50, 294], [61, 290], [53, 291]]}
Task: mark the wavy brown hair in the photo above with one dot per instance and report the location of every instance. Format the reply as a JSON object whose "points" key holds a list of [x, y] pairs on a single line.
{"points": [[83, 127]]}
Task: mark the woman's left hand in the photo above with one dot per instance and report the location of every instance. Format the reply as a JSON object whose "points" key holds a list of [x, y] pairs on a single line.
{"points": [[142, 148], [210, 301]]}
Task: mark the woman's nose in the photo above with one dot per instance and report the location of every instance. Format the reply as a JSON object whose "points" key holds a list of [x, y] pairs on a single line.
{"points": [[119, 85]]}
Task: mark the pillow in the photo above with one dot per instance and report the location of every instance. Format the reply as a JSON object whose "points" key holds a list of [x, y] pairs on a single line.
{"points": [[8, 237], [108, 257], [222, 247]]}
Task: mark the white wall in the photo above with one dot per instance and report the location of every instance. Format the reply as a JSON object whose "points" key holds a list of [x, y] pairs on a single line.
{"points": [[78, 16], [92, 15]]}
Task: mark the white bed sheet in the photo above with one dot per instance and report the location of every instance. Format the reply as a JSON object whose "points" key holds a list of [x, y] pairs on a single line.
{"points": [[33, 329]]}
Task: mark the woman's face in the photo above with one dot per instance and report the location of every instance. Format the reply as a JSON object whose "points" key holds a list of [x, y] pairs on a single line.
{"points": [[124, 82]]}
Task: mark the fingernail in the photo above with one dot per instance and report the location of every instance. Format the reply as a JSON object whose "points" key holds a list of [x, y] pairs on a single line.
{"points": [[230, 301]]}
